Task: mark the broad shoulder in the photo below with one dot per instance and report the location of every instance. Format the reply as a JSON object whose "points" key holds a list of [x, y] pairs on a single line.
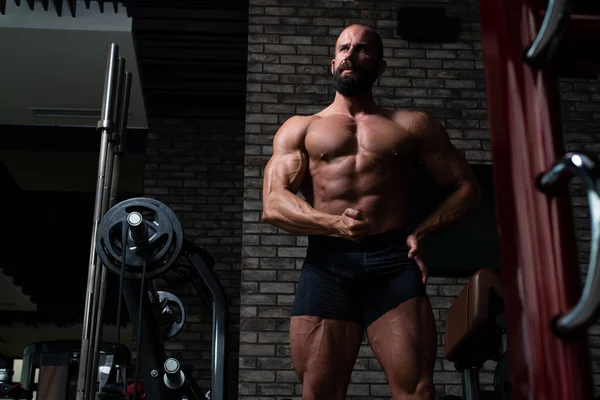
{"points": [[417, 123], [292, 132], [426, 130], [298, 122]]}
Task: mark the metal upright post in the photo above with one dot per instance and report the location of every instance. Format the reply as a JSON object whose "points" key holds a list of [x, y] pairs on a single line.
{"points": [[110, 182], [121, 140], [105, 126]]}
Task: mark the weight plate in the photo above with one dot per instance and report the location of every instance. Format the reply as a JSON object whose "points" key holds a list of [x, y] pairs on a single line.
{"points": [[168, 299], [161, 250]]}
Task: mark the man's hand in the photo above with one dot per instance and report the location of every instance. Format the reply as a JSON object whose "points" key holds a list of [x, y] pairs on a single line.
{"points": [[352, 225], [414, 252]]}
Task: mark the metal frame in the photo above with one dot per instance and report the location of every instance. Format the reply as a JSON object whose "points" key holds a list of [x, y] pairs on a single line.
{"points": [[470, 378], [113, 127], [151, 350], [540, 273], [217, 299]]}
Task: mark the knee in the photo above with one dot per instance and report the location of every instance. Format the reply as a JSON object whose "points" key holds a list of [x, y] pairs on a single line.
{"points": [[417, 390], [425, 390]]}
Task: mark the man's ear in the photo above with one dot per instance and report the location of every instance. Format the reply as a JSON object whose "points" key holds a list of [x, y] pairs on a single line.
{"points": [[332, 67]]}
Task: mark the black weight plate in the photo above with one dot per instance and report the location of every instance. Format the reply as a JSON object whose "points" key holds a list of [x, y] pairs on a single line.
{"points": [[165, 238], [169, 299], [177, 230], [159, 233]]}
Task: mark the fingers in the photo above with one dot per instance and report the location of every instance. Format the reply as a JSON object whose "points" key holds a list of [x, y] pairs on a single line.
{"points": [[413, 246], [355, 214], [423, 269], [358, 229], [357, 225], [413, 251]]}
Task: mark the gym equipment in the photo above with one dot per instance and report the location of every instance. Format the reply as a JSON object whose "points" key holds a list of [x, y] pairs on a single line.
{"points": [[539, 263], [166, 301], [8, 388], [152, 251], [112, 125], [57, 363], [476, 333], [140, 239], [148, 220], [551, 183]]}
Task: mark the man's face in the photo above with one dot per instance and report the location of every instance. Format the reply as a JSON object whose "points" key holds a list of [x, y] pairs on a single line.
{"points": [[355, 67]]}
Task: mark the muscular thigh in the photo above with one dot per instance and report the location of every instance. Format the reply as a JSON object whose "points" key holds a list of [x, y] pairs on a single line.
{"points": [[326, 330], [324, 351], [404, 342]]}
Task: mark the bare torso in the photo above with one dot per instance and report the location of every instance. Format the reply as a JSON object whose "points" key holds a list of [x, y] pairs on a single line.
{"points": [[366, 163]]}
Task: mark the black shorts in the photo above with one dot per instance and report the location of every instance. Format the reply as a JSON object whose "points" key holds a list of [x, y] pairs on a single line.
{"points": [[356, 282]]}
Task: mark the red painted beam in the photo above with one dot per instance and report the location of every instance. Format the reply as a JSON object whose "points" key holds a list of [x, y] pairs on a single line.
{"points": [[539, 262]]}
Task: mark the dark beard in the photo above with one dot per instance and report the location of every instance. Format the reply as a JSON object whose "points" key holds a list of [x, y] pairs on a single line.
{"points": [[359, 81]]}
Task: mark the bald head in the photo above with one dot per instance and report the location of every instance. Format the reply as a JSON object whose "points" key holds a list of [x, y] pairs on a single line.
{"points": [[358, 60], [368, 35]]}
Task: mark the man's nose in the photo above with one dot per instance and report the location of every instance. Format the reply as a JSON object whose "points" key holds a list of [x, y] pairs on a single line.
{"points": [[350, 57]]}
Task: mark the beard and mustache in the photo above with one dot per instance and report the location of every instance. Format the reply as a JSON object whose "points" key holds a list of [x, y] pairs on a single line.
{"points": [[359, 81]]}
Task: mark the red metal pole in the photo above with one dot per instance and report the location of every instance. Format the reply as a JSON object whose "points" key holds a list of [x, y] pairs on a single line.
{"points": [[539, 263]]}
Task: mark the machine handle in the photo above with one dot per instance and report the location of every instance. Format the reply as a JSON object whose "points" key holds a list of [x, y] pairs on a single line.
{"points": [[551, 32], [586, 168]]}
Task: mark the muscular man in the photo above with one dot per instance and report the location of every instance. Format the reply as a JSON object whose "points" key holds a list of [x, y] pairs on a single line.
{"points": [[354, 163]]}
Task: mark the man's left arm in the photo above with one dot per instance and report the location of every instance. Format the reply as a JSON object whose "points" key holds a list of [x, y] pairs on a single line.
{"points": [[449, 168]]}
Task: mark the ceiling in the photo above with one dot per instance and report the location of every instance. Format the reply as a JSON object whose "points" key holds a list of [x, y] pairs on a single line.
{"points": [[53, 68], [12, 297], [192, 57], [187, 60]]}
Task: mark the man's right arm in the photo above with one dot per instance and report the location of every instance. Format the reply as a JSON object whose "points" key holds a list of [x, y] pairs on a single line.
{"points": [[283, 176]]}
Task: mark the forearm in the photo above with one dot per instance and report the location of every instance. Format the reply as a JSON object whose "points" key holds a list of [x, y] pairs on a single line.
{"points": [[289, 212], [463, 201]]}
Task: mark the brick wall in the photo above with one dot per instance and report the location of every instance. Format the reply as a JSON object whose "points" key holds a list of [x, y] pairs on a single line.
{"points": [[290, 47], [580, 111], [196, 169]]}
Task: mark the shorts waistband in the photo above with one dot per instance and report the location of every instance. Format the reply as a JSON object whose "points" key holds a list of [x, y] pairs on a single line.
{"points": [[375, 242]]}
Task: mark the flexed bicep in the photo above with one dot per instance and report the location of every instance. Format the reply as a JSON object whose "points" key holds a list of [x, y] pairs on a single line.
{"points": [[285, 171], [287, 166], [283, 177]]}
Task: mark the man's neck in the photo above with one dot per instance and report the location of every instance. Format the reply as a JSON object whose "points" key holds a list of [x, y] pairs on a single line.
{"points": [[362, 104]]}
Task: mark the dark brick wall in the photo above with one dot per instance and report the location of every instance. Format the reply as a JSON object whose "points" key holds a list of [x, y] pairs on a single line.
{"points": [[290, 47], [196, 168]]}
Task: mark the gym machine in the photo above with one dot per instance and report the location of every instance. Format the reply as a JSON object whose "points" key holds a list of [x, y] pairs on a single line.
{"points": [[140, 239], [475, 323], [8, 388], [476, 333]]}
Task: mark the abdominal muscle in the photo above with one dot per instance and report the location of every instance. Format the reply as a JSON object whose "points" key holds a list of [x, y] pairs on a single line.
{"points": [[379, 194]]}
